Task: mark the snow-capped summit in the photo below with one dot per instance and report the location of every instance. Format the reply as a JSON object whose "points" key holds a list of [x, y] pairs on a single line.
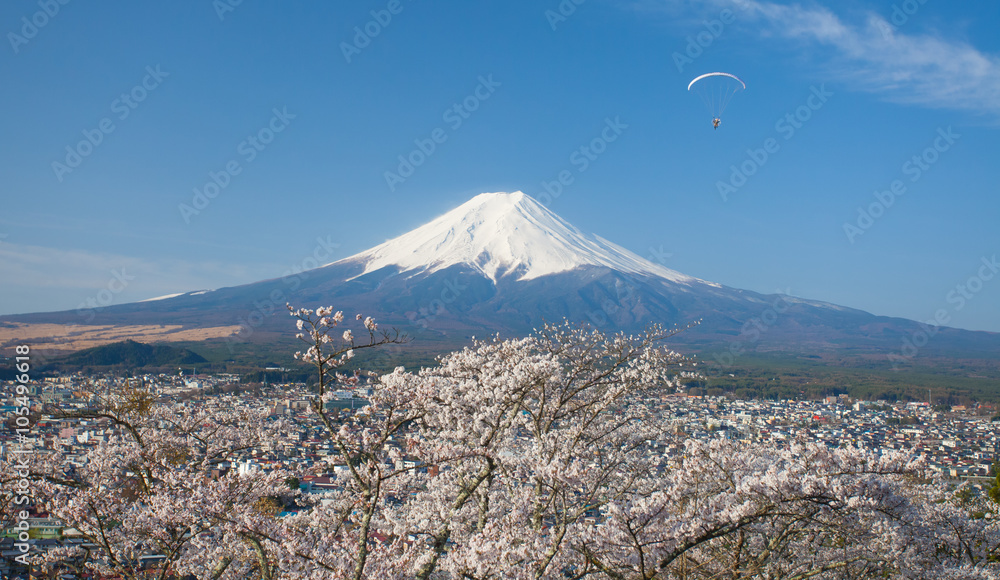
{"points": [[503, 263], [506, 234]]}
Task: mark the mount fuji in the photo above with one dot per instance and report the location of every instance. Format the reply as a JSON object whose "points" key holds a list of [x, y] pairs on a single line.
{"points": [[504, 263], [506, 234]]}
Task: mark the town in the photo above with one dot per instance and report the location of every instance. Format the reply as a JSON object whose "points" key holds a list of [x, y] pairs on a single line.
{"points": [[959, 443]]}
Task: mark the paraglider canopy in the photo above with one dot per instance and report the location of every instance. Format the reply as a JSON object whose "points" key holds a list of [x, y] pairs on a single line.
{"points": [[716, 90], [716, 74]]}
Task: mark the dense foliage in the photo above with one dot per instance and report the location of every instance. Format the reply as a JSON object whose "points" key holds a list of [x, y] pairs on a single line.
{"points": [[132, 354]]}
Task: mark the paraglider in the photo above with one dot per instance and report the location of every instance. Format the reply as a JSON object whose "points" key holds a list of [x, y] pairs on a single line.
{"points": [[716, 90]]}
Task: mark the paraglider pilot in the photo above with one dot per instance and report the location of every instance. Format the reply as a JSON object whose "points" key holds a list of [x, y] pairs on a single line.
{"points": [[716, 89]]}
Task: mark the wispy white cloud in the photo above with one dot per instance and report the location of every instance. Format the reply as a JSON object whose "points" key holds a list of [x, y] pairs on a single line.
{"points": [[38, 278], [872, 54]]}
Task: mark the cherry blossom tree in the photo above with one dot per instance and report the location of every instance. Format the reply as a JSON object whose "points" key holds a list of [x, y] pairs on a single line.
{"points": [[148, 489], [540, 457], [537, 457], [344, 535]]}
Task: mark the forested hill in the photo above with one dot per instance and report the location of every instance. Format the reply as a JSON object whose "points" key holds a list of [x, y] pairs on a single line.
{"points": [[132, 354]]}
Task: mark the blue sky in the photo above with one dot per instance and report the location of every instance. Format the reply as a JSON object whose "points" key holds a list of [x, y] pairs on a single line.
{"points": [[298, 117]]}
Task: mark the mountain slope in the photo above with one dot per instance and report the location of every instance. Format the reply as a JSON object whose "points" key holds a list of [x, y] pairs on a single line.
{"points": [[504, 263]]}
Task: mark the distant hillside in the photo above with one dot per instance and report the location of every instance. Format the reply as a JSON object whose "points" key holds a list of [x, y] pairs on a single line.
{"points": [[132, 354]]}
